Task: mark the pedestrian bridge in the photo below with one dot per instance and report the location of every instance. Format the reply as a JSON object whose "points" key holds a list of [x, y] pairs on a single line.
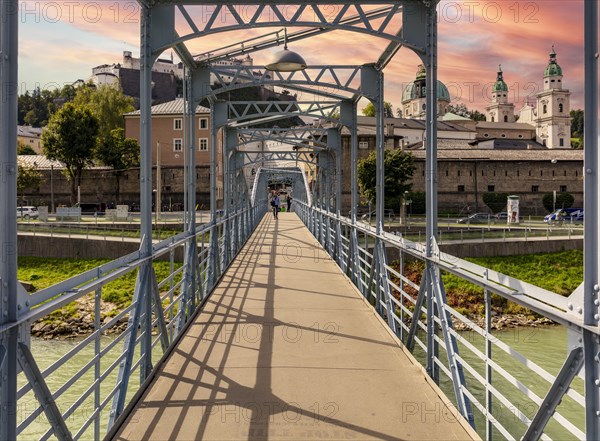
{"points": [[308, 327], [286, 347]]}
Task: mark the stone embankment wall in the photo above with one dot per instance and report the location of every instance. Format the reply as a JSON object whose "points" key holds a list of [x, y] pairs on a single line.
{"points": [[101, 248]]}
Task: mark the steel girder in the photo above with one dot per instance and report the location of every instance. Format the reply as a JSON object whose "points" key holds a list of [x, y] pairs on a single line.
{"points": [[314, 138], [9, 301], [591, 276], [240, 112], [348, 17]]}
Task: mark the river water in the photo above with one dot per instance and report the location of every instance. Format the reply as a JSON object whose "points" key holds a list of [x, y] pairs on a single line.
{"points": [[543, 346]]}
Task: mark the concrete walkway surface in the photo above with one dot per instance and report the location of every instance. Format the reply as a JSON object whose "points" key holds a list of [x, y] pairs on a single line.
{"points": [[287, 349]]}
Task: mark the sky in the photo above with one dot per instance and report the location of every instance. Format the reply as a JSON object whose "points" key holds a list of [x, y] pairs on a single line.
{"points": [[61, 41]]}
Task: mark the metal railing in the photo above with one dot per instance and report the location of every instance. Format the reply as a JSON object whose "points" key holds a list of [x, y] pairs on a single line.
{"points": [[99, 381], [503, 393]]}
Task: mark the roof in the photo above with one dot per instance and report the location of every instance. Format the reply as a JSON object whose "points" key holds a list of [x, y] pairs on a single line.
{"points": [[174, 107], [408, 123], [511, 144], [41, 162], [553, 69], [504, 155], [504, 126], [29, 132], [449, 116]]}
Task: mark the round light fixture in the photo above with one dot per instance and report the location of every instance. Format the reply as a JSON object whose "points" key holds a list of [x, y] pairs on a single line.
{"points": [[286, 60]]}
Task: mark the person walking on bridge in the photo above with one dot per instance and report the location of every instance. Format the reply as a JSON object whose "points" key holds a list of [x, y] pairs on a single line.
{"points": [[289, 202], [275, 204]]}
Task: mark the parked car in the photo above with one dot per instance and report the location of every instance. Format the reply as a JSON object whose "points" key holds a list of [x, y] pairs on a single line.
{"points": [[388, 214], [573, 215], [27, 212], [477, 218]]}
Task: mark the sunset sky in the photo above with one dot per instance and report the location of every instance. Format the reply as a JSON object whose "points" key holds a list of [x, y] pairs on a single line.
{"points": [[60, 42]]}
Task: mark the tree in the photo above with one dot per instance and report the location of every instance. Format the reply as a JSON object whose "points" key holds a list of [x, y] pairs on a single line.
{"points": [[462, 110], [120, 153], [107, 103], [495, 201], [577, 123], [24, 149], [388, 110], [71, 138], [27, 177], [563, 200], [399, 168]]}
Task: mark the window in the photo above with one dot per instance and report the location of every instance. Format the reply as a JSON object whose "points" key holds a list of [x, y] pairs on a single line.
{"points": [[535, 188], [203, 144], [204, 123], [493, 119], [458, 173], [363, 145], [177, 145], [491, 188], [461, 188], [545, 108], [561, 142], [560, 108], [177, 124], [505, 118], [563, 189], [520, 136], [486, 135], [446, 172]]}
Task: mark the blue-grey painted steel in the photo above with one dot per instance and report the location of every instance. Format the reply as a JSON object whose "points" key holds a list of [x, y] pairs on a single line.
{"points": [[314, 79], [527, 295], [568, 372], [591, 276], [322, 19], [8, 222]]}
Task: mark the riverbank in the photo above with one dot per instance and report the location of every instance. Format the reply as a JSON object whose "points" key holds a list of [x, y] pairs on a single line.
{"points": [[78, 321]]}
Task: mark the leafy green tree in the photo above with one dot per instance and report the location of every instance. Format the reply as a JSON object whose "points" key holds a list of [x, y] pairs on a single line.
{"points": [[577, 124], [563, 200], [71, 138], [107, 103], [120, 153], [462, 110], [388, 110], [495, 201], [27, 178], [399, 168], [24, 149]]}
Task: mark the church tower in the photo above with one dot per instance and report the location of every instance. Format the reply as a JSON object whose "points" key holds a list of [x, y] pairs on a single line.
{"points": [[553, 128], [500, 110]]}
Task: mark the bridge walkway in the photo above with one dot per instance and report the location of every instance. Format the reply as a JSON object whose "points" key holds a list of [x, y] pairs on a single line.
{"points": [[287, 349]]}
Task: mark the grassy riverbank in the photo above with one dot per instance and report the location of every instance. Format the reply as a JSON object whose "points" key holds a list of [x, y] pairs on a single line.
{"points": [[558, 272], [77, 317]]}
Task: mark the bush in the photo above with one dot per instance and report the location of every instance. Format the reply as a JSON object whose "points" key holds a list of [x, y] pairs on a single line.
{"points": [[563, 200], [495, 201], [418, 204]]}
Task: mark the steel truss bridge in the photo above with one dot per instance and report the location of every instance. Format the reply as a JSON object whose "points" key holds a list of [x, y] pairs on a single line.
{"points": [[475, 371]]}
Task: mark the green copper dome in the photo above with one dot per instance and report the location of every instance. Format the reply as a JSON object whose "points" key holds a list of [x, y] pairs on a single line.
{"points": [[500, 85], [553, 69], [416, 89]]}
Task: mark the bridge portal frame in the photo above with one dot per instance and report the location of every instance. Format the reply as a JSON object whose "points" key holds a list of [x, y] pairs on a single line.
{"points": [[157, 34]]}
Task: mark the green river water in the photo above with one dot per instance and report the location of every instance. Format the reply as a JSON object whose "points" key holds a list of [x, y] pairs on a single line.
{"points": [[543, 346]]}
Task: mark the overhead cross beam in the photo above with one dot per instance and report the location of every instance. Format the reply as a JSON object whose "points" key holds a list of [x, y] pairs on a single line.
{"points": [[230, 16]]}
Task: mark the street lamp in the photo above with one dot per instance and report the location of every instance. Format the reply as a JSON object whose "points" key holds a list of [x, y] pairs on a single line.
{"points": [[286, 60]]}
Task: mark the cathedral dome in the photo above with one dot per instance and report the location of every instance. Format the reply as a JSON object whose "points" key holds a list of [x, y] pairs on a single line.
{"points": [[417, 88], [553, 69]]}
